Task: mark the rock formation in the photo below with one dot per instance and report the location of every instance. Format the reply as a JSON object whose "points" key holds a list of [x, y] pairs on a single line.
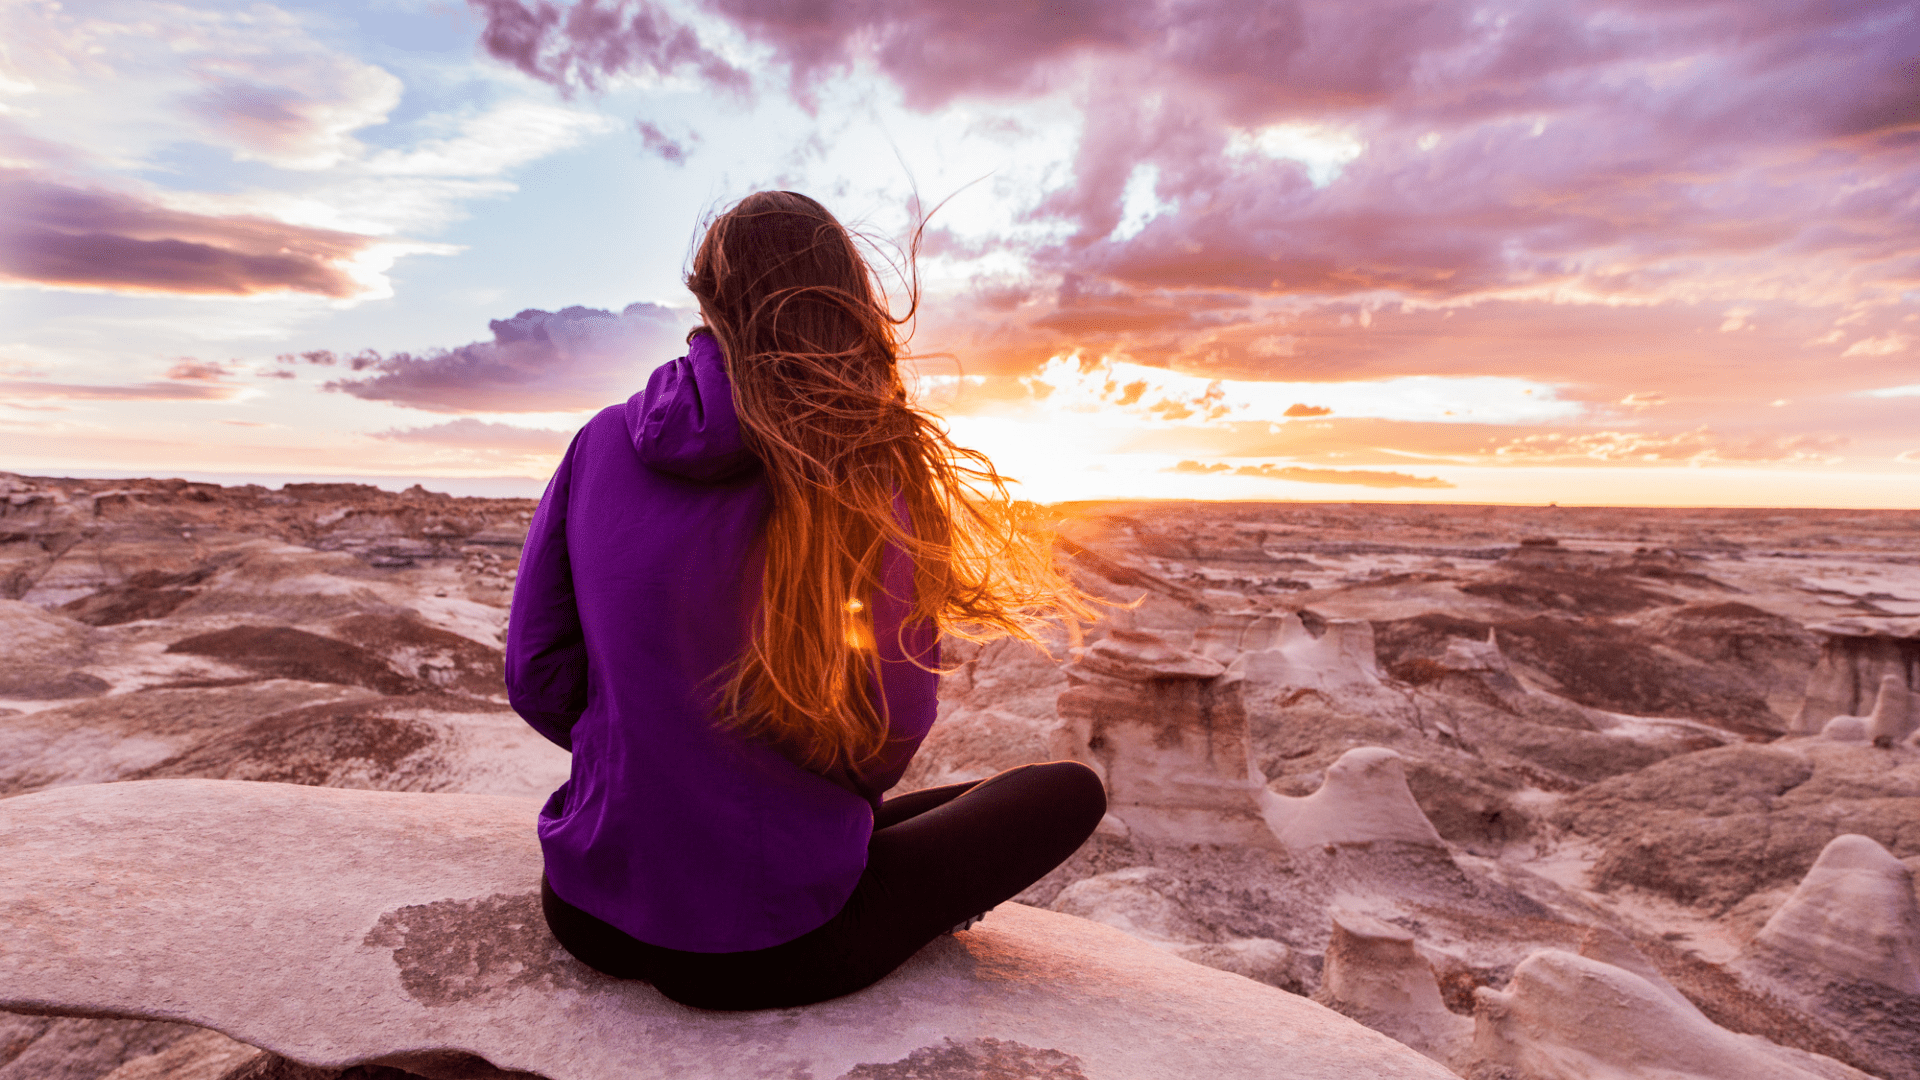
{"points": [[1375, 974], [1853, 918], [1568, 1017], [338, 927], [1364, 800], [1168, 734], [1856, 657]]}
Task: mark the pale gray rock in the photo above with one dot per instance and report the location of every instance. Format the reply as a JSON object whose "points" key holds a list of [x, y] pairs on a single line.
{"points": [[1363, 800], [1374, 974], [1855, 656], [335, 927], [1853, 918], [1896, 713], [1847, 729], [1142, 900], [1167, 731], [289, 584], [1281, 651], [1260, 959], [1569, 1017]]}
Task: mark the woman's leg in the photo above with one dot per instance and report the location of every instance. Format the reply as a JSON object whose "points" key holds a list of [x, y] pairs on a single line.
{"points": [[914, 803], [924, 874]]}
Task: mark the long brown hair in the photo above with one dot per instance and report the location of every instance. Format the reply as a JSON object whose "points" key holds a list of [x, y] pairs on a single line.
{"points": [[813, 353]]}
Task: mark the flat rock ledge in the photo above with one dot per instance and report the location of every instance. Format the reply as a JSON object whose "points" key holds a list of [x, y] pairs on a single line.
{"points": [[338, 927]]}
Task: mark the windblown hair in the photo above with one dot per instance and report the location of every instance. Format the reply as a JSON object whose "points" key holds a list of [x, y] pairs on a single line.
{"points": [[812, 350]]}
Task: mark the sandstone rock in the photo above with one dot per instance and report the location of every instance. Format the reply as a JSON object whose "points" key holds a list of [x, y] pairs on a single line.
{"points": [[1568, 1017], [1374, 974], [281, 730], [1169, 737], [44, 653], [1856, 655], [282, 652], [1142, 900], [335, 927], [1713, 827], [1137, 656], [1282, 651], [60, 1048], [1896, 713], [1853, 917], [1263, 960], [1363, 800], [201, 1055]]}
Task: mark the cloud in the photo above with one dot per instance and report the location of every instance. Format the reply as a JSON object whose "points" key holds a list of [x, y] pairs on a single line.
{"points": [[1299, 409], [1700, 446], [658, 142], [538, 361], [190, 390], [1230, 178], [1885, 345], [1299, 475], [198, 370], [468, 433], [591, 43], [52, 233]]}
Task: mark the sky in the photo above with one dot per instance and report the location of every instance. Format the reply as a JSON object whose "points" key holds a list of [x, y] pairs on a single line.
{"points": [[1621, 252]]}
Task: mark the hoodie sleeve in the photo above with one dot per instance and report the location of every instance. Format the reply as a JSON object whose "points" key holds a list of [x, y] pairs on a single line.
{"points": [[546, 651]]}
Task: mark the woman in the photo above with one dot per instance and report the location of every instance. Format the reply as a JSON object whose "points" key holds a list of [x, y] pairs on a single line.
{"points": [[729, 609]]}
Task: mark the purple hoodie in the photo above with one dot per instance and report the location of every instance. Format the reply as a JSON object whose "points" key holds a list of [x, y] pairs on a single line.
{"points": [[637, 587]]}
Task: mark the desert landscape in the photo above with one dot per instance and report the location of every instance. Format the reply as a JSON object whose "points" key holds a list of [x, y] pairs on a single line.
{"points": [[1537, 792]]}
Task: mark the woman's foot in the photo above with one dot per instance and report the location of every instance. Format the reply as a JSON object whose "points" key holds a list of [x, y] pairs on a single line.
{"points": [[967, 922]]}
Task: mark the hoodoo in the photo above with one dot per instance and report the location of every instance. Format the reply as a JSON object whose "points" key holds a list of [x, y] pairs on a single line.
{"points": [[1363, 800], [1374, 974], [1167, 730], [1568, 1017], [1853, 918]]}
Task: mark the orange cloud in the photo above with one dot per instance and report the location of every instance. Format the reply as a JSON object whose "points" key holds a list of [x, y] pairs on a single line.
{"points": [[1359, 477]]}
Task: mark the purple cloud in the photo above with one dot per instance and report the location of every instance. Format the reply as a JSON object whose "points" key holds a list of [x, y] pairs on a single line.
{"points": [[538, 361], [55, 234], [470, 434], [591, 41]]}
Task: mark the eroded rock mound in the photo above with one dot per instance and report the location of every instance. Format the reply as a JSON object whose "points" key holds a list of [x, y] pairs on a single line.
{"points": [[1569, 1017]]}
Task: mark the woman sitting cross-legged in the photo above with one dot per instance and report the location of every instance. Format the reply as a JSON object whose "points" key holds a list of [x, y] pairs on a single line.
{"points": [[729, 610]]}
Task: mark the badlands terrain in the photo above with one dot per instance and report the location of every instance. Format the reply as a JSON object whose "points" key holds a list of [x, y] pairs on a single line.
{"points": [[1537, 792]]}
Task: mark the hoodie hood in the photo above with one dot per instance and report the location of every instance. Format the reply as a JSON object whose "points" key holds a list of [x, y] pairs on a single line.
{"points": [[683, 423]]}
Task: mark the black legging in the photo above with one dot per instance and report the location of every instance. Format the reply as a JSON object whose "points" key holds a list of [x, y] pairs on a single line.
{"points": [[937, 858]]}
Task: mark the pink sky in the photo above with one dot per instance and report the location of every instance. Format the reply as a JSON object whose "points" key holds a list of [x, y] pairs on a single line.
{"points": [[1515, 251]]}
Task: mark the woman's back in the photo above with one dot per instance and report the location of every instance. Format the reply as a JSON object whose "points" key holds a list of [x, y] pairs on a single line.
{"points": [[638, 590]]}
